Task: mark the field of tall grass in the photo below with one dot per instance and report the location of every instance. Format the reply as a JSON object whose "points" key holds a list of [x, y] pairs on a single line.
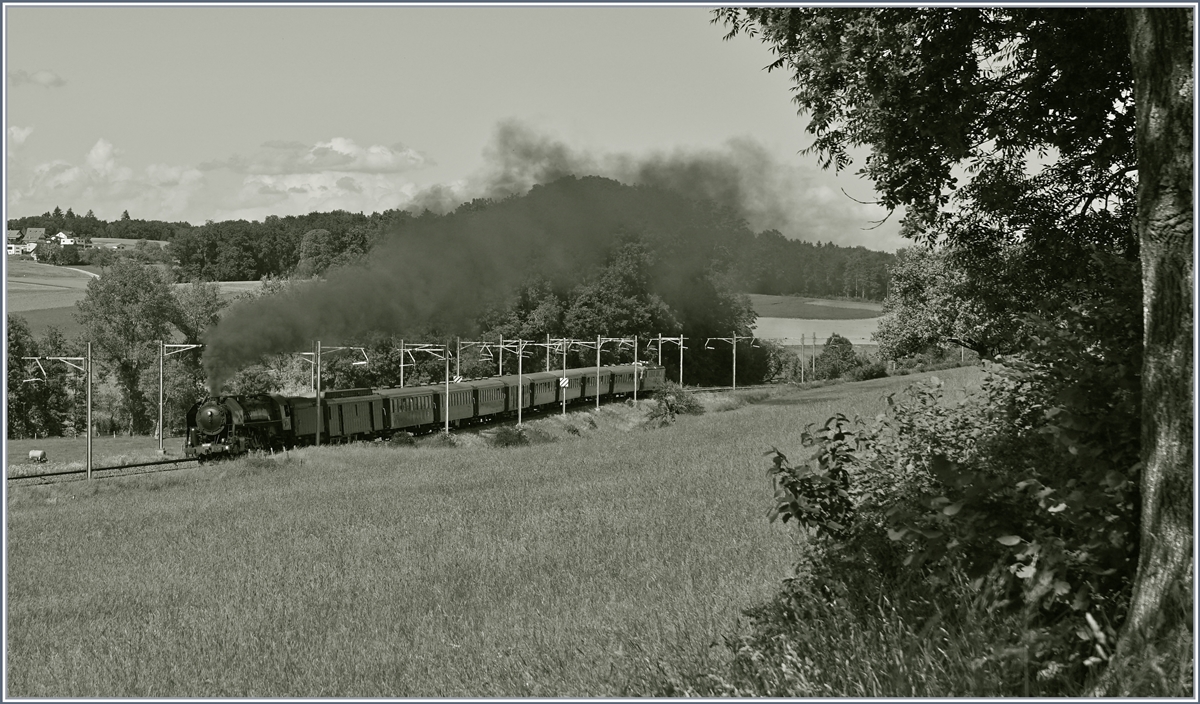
{"points": [[580, 565]]}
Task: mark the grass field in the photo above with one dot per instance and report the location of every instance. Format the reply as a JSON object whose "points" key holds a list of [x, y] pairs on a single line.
{"points": [[45, 295], [789, 319], [107, 451], [569, 568], [813, 308]]}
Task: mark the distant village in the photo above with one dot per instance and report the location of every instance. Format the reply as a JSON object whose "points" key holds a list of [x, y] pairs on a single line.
{"points": [[27, 241]]}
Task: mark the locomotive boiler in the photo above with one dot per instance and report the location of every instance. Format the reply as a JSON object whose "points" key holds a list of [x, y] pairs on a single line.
{"points": [[232, 425]]}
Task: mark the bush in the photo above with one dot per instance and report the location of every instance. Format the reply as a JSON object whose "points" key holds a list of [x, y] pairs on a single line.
{"points": [[442, 439], [537, 436], [874, 370], [510, 436], [836, 358], [1023, 496], [672, 400], [402, 439]]}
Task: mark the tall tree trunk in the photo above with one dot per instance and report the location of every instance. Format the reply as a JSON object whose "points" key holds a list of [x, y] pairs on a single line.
{"points": [[1154, 654]]}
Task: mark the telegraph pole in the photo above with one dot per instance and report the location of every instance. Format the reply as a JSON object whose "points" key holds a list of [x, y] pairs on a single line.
{"points": [[87, 373], [679, 341], [518, 347], [441, 352], [635, 370], [317, 371], [162, 354], [565, 344], [733, 341], [89, 411]]}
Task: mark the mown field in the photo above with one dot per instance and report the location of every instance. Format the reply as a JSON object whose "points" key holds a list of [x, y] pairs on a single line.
{"points": [[793, 321], [813, 308], [107, 450], [576, 567]]}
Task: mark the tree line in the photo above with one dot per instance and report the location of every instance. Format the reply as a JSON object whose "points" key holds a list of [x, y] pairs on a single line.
{"points": [[309, 245]]}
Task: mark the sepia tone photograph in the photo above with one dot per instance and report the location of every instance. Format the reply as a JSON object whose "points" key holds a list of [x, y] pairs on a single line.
{"points": [[599, 351]]}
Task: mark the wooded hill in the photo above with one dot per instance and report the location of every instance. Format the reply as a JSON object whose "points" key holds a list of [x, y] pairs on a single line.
{"points": [[306, 245]]}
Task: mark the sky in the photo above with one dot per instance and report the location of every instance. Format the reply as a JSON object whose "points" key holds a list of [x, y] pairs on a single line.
{"points": [[203, 113]]}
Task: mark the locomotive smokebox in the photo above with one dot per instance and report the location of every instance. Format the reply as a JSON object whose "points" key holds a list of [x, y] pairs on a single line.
{"points": [[210, 418]]}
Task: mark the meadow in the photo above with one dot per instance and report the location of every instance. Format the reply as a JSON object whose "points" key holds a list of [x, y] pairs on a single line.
{"points": [[579, 566], [791, 319], [71, 453], [813, 308]]}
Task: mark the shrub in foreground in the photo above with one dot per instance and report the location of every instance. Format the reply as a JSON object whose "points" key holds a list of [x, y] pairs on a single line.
{"points": [[868, 371], [1020, 500], [401, 439], [672, 400], [510, 436]]}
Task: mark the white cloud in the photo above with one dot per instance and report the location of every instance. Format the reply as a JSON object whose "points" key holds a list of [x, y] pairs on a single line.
{"points": [[18, 135], [103, 160], [101, 183], [296, 193], [338, 154], [46, 79]]}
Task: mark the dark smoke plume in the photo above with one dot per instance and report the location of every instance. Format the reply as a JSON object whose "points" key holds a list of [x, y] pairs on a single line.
{"points": [[742, 176], [438, 273]]}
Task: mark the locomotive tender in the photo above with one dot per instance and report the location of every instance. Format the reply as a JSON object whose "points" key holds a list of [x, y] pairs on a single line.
{"points": [[232, 425]]}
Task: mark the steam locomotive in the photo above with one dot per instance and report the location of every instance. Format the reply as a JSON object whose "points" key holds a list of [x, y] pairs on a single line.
{"points": [[227, 426]]}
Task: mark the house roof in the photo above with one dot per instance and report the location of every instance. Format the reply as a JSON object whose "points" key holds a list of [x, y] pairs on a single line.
{"points": [[35, 233], [14, 235]]}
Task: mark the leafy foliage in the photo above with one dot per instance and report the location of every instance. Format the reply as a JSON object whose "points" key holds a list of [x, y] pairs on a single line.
{"points": [[868, 371], [988, 86], [836, 359], [672, 400], [927, 306], [124, 312], [1029, 488], [815, 493], [1023, 497]]}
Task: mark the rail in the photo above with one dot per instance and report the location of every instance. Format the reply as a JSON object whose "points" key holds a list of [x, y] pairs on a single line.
{"points": [[132, 465]]}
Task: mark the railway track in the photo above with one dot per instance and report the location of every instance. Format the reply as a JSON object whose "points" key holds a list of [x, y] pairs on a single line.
{"points": [[744, 387], [137, 468], [67, 475]]}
